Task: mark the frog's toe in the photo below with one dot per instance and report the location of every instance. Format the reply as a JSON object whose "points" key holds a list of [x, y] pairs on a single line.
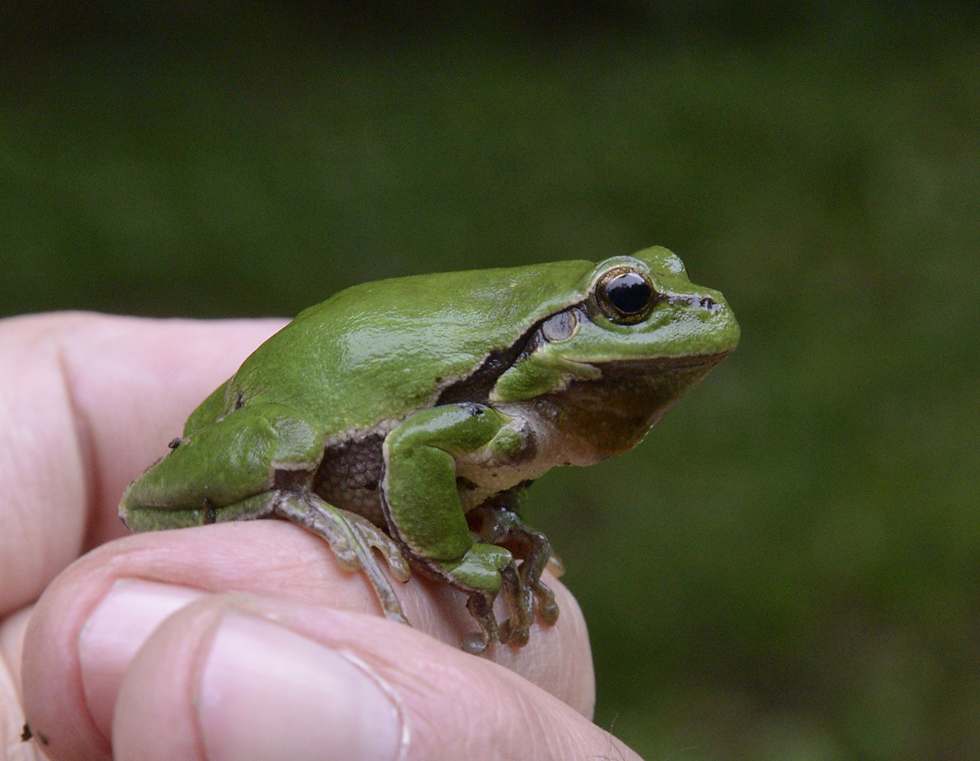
{"points": [[475, 643], [375, 538], [512, 633], [548, 614], [480, 606], [483, 572], [547, 607], [516, 630]]}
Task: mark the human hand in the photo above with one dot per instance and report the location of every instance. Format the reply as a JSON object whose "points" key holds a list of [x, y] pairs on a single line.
{"points": [[229, 641]]}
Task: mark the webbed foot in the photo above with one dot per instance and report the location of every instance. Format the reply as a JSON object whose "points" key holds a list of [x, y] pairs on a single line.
{"points": [[351, 537], [499, 525], [484, 572]]}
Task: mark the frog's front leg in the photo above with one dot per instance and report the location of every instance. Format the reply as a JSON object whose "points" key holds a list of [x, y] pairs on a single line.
{"points": [[420, 497]]}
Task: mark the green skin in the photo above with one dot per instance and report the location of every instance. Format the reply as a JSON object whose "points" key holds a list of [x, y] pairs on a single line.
{"points": [[409, 415]]}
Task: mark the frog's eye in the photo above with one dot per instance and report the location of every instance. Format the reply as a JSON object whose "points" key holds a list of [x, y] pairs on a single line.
{"points": [[625, 295]]}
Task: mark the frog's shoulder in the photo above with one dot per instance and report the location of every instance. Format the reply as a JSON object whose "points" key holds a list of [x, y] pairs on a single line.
{"points": [[378, 350]]}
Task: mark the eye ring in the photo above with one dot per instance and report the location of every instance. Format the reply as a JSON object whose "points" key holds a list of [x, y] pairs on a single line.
{"points": [[625, 295]]}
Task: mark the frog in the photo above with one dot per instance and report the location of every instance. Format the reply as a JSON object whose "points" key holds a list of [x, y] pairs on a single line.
{"points": [[403, 420]]}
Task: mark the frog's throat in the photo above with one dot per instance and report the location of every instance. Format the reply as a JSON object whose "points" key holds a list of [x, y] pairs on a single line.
{"points": [[613, 414]]}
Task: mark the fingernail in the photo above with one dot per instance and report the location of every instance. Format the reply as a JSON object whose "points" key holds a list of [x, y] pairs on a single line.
{"points": [[115, 631], [269, 693]]}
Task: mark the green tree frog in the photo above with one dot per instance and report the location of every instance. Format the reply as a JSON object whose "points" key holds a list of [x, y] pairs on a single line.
{"points": [[409, 416]]}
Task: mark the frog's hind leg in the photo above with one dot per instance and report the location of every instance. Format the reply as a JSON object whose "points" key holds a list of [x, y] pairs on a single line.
{"points": [[352, 538], [258, 462]]}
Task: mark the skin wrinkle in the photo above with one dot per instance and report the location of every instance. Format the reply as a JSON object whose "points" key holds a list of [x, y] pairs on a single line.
{"points": [[498, 708], [409, 692], [81, 433], [536, 717], [51, 557], [532, 717], [457, 702]]}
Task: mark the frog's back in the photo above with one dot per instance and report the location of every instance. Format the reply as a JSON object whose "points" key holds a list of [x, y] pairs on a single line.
{"points": [[380, 350]]}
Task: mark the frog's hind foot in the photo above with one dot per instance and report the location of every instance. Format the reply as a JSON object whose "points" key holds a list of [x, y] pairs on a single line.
{"points": [[352, 538]]}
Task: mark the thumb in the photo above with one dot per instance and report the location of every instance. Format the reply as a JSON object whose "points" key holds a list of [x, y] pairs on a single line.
{"points": [[235, 677]]}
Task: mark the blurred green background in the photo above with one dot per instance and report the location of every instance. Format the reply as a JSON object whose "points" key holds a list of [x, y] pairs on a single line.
{"points": [[789, 567]]}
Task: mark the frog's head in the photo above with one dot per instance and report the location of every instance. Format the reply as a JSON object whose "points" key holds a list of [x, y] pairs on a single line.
{"points": [[637, 336]]}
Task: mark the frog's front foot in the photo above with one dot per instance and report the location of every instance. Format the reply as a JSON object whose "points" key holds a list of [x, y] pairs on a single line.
{"points": [[499, 525], [483, 573]]}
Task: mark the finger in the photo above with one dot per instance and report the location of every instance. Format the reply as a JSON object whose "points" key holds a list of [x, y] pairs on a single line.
{"points": [[12, 630], [94, 617], [12, 746], [232, 678], [87, 403]]}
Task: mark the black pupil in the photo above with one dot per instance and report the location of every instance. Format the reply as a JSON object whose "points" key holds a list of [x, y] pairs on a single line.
{"points": [[629, 293]]}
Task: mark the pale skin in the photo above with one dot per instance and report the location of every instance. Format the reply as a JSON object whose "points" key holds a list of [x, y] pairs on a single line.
{"points": [[233, 640]]}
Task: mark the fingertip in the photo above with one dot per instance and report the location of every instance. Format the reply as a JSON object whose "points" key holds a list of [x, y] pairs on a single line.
{"points": [[220, 683], [114, 633], [267, 692]]}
